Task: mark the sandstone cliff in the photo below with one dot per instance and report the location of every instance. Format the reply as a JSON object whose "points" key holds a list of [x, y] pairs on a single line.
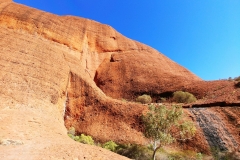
{"points": [[36, 72], [58, 70]]}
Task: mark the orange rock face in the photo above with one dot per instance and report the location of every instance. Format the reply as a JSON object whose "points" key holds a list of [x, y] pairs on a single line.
{"points": [[131, 73], [40, 67], [69, 70]]}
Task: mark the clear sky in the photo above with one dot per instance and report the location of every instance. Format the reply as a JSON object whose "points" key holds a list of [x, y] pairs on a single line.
{"points": [[201, 35]]}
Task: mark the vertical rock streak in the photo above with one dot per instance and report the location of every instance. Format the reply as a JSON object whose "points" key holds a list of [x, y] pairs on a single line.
{"points": [[215, 130]]}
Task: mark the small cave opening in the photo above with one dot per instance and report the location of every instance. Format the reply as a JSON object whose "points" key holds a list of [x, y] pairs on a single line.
{"points": [[157, 97], [167, 94], [111, 59], [96, 79], [162, 97]]}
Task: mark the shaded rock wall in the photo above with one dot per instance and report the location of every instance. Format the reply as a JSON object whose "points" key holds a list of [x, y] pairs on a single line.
{"points": [[102, 117]]}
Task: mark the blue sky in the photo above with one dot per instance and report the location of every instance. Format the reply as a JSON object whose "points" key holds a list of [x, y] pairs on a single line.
{"points": [[201, 35]]}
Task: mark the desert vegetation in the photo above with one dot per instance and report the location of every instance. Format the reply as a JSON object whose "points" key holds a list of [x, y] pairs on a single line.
{"points": [[237, 78], [218, 155], [237, 84], [237, 81], [183, 97], [82, 139], [160, 122], [143, 152], [144, 99], [110, 145]]}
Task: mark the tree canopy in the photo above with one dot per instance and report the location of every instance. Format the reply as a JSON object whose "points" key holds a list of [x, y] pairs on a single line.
{"points": [[163, 126]]}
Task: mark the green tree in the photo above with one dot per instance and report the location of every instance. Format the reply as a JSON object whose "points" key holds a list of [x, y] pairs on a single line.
{"points": [[163, 126]]}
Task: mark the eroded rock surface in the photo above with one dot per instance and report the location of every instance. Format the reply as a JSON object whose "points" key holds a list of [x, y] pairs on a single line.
{"points": [[37, 62], [220, 126], [56, 68]]}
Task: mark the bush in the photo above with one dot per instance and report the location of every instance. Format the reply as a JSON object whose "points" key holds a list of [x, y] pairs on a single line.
{"points": [[183, 97], [163, 99], [237, 78], [237, 84], [144, 99], [215, 153], [199, 156], [71, 136], [124, 100], [84, 139], [134, 151], [72, 131], [229, 156], [110, 145]]}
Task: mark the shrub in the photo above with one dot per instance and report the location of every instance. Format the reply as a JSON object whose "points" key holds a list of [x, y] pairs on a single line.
{"points": [[199, 156], [163, 99], [72, 131], [229, 156], [71, 136], [183, 97], [134, 151], [124, 100], [84, 139], [237, 78], [110, 145], [215, 153], [237, 84], [144, 99]]}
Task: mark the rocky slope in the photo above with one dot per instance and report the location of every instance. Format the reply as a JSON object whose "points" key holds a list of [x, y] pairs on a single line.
{"points": [[58, 70], [220, 126]]}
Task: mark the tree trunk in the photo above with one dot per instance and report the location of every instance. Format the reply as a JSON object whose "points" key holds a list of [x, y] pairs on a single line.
{"points": [[154, 152], [154, 144]]}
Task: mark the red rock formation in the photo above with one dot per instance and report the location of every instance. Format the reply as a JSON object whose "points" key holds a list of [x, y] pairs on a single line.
{"points": [[131, 73], [220, 126], [55, 67], [40, 66]]}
